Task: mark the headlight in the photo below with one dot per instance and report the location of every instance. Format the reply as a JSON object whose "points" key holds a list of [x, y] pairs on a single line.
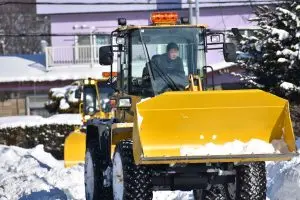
{"points": [[124, 103], [91, 109], [87, 117]]}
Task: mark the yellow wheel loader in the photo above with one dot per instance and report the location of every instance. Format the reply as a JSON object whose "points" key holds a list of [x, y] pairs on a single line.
{"points": [[94, 104], [169, 132]]}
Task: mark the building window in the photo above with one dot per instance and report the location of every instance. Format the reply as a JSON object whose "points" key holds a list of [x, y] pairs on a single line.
{"points": [[87, 47]]}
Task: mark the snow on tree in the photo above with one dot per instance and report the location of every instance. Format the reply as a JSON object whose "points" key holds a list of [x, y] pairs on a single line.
{"points": [[62, 100], [274, 62]]}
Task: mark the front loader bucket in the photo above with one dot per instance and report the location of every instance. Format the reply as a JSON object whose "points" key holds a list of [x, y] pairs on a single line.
{"points": [[213, 126], [74, 148]]}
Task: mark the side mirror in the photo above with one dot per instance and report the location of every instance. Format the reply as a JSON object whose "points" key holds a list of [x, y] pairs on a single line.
{"points": [[77, 94], [105, 55], [229, 52]]}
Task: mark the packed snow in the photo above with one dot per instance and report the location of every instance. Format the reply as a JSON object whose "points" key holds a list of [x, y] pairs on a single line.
{"points": [[29, 121], [236, 148], [34, 174], [289, 86]]}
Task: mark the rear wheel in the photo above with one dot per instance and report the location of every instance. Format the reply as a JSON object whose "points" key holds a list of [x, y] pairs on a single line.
{"points": [[130, 181], [94, 175]]}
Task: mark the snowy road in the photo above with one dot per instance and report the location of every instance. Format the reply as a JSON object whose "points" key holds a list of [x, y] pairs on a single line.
{"points": [[32, 174]]}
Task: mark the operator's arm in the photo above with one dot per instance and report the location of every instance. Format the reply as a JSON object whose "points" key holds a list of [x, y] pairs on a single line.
{"points": [[180, 67]]}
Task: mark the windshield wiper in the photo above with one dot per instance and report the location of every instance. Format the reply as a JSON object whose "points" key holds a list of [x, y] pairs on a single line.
{"points": [[167, 79]]}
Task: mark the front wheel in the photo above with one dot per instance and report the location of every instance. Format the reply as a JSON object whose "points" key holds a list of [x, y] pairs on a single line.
{"points": [[130, 181], [251, 181], [94, 175]]}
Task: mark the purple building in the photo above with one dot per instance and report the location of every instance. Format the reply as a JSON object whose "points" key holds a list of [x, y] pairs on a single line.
{"points": [[69, 58], [95, 19]]}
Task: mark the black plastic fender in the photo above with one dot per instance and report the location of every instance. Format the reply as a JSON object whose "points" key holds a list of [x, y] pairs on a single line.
{"points": [[99, 130]]}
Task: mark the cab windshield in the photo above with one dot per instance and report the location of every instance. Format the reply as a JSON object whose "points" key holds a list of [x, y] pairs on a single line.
{"points": [[90, 98], [162, 58]]}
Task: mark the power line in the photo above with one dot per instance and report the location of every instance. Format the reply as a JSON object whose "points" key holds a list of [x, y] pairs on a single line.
{"points": [[121, 3], [49, 34]]}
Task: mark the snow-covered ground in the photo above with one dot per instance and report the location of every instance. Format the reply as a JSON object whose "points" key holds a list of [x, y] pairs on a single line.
{"points": [[34, 174]]}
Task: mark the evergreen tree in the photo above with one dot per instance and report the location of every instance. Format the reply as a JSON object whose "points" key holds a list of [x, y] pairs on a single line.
{"points": [[274, 62]]}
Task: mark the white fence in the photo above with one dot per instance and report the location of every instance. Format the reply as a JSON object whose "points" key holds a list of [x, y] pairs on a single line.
{"points": [[71, 55]]}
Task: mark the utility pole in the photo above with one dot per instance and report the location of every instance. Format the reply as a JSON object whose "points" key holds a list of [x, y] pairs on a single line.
{"points": [[197, 12], [190, 11]]}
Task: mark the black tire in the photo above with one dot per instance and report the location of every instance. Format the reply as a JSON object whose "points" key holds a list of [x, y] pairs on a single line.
{"points": [[216, 192], [250, 184], [251, 181], [95, 190], [197, 194], [136, 179]]}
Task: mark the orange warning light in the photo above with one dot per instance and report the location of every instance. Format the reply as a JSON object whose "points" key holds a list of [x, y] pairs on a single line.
{"points": [[107, 74], [164, 17]]}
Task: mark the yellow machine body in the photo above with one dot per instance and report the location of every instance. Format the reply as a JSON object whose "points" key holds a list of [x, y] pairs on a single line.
{"points": [[74, 148], [75, 142], [174, 120]]}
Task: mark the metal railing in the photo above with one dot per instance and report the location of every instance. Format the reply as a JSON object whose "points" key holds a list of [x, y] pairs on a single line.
{"points": [[71, 55]]}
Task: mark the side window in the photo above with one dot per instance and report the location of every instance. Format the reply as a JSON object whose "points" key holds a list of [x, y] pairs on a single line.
{"points": [[89, 99], [138, 65]]}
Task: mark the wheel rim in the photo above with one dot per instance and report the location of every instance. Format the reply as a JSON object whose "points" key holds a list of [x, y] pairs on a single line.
{"points": [[118, 178], [89, 175]]}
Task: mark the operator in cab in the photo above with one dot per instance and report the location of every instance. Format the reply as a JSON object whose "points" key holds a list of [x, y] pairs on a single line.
{"points": [[168, 64]]}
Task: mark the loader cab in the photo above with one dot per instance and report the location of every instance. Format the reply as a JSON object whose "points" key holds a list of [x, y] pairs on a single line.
{"points": [[96, 95], [144, 66]]}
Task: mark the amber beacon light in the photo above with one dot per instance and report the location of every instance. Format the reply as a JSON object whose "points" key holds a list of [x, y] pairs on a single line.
{"points": [[164, 17], [108, 74]]}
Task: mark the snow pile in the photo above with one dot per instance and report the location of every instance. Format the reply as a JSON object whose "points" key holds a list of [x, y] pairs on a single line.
{"points": [[67, 91], [22, 121], [34, 174], [63, 105], [284, 179], [29, 121], [63, 99], [236, 148]]}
